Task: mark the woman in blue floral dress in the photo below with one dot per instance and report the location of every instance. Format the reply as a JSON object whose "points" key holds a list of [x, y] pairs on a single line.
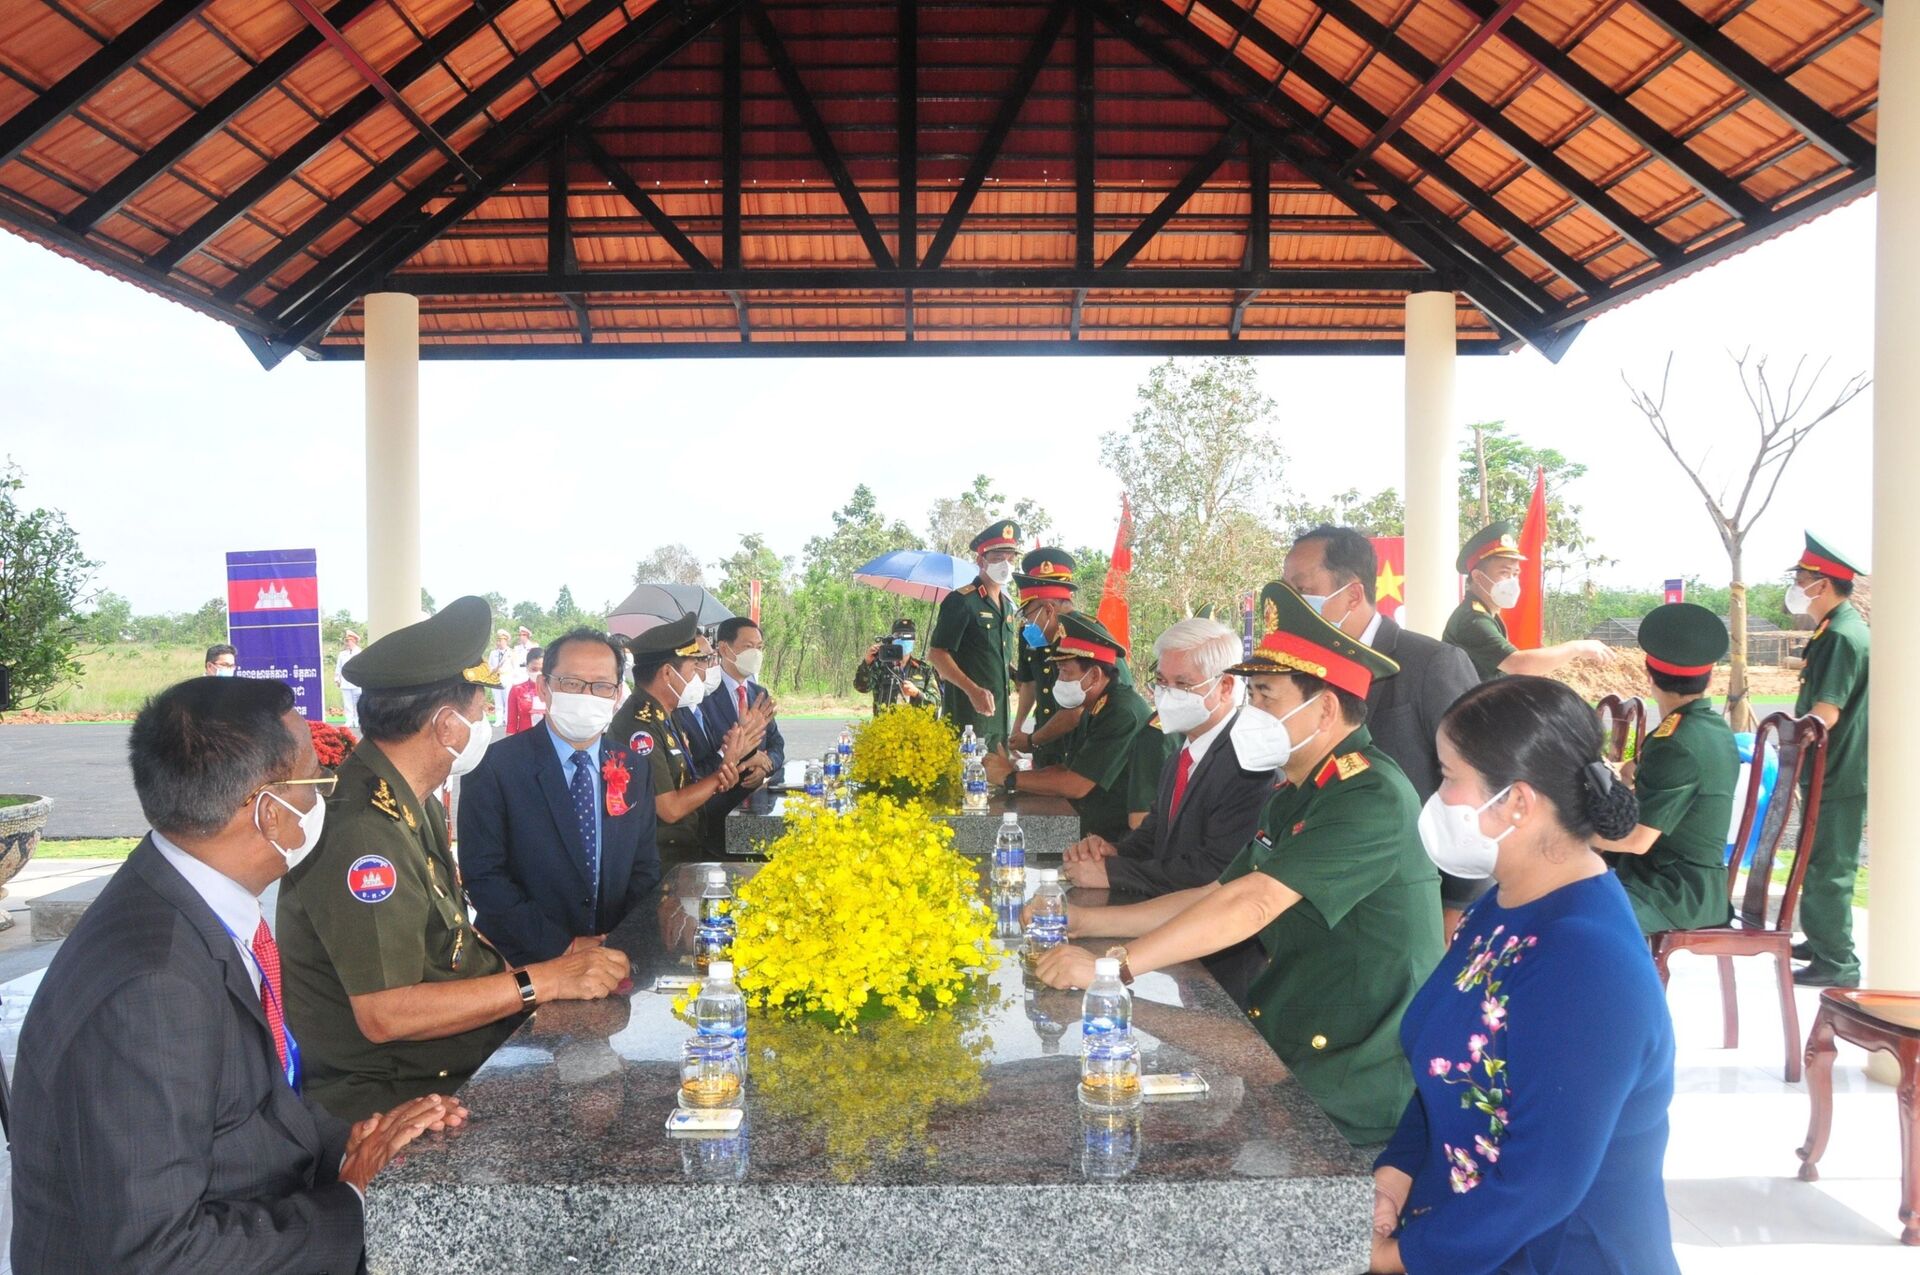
{"points": [[1541, 1047]]}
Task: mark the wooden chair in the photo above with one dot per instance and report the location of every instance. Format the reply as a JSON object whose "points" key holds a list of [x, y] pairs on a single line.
{"points": [[1802, 745], [1623, 722], [1887, 1021]]}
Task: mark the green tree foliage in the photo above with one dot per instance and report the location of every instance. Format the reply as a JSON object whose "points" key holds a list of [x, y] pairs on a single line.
{"points": [[43, 581], [955, 520], [1197, 462], [1511, 463], [1381, 514], [427, 604]]}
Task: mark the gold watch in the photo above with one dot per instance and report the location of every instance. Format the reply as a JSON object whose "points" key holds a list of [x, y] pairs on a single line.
{"points": [[1118, 952]]}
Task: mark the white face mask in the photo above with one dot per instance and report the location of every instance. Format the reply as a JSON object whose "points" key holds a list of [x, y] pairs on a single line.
{"points": [[1505, 593], [579, 717], [1069, 694], [310, 825], [1798, 600], [711, 678], [1182, 710], [1318, 602], [691, 693], [1453, 840], [1260, 739], [1000, 572], [748, 662], [479, 735], [221, 670]]}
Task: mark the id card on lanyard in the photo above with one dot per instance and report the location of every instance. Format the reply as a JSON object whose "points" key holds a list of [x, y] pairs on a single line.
{"points": [[292, 1070]]}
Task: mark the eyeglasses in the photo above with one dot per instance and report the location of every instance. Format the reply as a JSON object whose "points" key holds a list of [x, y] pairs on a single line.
{"points": [[1162, 684], [577, 686], [323, 786]]}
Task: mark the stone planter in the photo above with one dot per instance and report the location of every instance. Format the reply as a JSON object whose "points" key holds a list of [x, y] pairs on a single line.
{"points": [[20, 827]]}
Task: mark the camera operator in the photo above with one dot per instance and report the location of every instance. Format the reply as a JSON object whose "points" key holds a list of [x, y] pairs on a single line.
{"points": [[891, 672]]}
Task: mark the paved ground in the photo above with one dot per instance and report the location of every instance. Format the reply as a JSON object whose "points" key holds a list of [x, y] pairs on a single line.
{"points": [[83, 767]]}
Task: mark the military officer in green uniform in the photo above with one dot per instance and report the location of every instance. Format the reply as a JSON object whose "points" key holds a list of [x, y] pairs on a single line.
{"points": [[1491, 563], [1673, 865], [390, 990], [1103, 753], [1335, 884], [1045, 580], [667, 676], [974, 637], [1833, 687]]}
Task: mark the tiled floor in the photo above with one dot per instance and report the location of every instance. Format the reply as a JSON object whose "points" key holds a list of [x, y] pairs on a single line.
{"points": [[1736, 1202]]}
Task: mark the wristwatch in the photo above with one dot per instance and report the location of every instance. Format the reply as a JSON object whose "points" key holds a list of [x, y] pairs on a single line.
{"points": [[525, 980], [1011, 783], [1118, 952]]}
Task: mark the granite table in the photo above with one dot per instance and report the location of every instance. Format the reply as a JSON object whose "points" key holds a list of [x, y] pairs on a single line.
{"points": [[1049, 822], [950, 1146]]}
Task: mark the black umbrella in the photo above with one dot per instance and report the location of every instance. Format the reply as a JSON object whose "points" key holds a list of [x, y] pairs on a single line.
{"points": [[651, 604]]}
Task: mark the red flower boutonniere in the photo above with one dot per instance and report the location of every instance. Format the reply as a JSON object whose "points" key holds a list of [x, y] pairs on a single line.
{"points": [[614, 771]]}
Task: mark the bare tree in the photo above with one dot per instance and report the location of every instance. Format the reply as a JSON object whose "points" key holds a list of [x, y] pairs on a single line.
{"points": [[1782, 422]]}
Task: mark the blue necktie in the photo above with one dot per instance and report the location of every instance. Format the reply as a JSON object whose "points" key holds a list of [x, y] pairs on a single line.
{"points": [[583, 798]]}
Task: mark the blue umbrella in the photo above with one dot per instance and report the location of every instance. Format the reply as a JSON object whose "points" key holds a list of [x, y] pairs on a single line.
{"points": [[917, 573]]}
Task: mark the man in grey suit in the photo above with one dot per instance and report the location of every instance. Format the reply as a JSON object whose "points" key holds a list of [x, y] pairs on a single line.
{"points": [[158, 1123], [1335, 570]]}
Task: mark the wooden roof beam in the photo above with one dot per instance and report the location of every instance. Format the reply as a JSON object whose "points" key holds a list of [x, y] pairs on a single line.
{"points": [[907, 139], [1030, 67], [58, 101], [1760, 82], [816, 128]]}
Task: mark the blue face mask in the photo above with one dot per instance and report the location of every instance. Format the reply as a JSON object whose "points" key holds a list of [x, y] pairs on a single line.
{"points": [[1034, 636], [906, 646]]}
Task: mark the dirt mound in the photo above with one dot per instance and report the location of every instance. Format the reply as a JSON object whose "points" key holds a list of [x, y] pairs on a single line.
{"points": [[1594, 681]]}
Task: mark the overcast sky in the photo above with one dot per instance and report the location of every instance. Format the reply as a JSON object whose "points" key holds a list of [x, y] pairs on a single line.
{"points": [[167, 445]]}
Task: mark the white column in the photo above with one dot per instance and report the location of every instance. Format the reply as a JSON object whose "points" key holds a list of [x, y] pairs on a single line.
{"points": [[393, 461], [1893, 749], [1433, 461]]}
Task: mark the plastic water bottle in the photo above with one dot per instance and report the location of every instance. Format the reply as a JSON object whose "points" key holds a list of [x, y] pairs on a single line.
{"points": [[1010, 854], [816, 781], [1109, 1143], [713, 941], [844, 747], [1109, 1056], [1006, 915], [1047, 922], [720, 1010], [830, 764], [969, 745], [974, 777]]}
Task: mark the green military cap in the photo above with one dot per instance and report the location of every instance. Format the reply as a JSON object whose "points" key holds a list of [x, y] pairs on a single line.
{"points": [[448, 644], [1084, 638], [1823, 558], [1001, 535], [1495, 540], [1295, 639], [1046, 573], [677, 637], [1683, 639]]}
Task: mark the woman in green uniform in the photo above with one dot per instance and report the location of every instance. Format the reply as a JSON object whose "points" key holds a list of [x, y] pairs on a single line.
{"points": [[1673, 864], [1335, 884]]}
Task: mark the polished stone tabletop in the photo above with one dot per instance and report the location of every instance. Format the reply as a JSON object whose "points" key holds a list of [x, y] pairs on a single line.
{"points": [[955, 1145], [1049, 822]]}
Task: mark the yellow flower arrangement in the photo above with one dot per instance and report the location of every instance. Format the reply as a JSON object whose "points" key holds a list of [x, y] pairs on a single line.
{"points": [[862, 913], [909, 754]]}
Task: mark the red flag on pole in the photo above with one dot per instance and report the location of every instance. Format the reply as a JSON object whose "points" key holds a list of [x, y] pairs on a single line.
{"points": [[1527, 622], [1113, 614], [753, 601]]}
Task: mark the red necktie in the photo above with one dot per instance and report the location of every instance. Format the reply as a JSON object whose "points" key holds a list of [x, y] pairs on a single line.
{"points": [[1180, 773], [268, 954], [742, 688]]}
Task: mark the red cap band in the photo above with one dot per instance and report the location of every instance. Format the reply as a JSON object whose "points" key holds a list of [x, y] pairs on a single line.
{"points": [[1046, 591], [1307, 657], [1811, 561], [1679, 670]]}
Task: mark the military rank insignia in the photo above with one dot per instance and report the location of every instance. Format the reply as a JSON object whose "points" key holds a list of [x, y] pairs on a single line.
{"points": [[384, 802], [1667, 727], [1351, 765]]}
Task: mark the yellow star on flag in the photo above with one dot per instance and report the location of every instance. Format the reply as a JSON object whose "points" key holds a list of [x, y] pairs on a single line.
{"points": [[1388, 585]]}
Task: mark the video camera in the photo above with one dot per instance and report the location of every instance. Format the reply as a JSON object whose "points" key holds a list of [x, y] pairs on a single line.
{"points": [[889, 649]]}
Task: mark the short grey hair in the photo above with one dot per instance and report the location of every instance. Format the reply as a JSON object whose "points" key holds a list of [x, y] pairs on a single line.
{"points": [[1213, 644]]}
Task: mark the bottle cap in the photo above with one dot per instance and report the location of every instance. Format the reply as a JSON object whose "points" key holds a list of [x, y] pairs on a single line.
{"points": [[1044, 875], [1010, 817], [716, 876], [1106, 967], [722, 972]]}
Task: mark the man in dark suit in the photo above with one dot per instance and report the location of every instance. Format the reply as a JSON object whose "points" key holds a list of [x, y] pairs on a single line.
{"points": [[158, 1123], [557, 824], [1335, 569], [1208, 807], [703, 752], [741, 648]]}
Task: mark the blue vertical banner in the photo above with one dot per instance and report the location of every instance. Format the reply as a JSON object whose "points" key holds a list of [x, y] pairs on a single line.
{"points": [[273, 621], [1246, 625]]}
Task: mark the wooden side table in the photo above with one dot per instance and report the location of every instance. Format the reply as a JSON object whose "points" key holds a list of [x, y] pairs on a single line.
{"points": [[1871, 1020]]}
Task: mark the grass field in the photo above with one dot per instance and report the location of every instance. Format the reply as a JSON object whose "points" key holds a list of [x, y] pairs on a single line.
{"points": [[86, 848]]}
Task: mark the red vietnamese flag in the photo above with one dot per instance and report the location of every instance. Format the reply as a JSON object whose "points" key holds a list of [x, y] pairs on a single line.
{"points": [[1389, 586], [1113, 613], [1527, 621]]}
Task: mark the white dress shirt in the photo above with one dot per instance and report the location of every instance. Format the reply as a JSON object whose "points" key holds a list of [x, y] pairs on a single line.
{"points": [[237, 908], [1372, 631], [1197, 745]]}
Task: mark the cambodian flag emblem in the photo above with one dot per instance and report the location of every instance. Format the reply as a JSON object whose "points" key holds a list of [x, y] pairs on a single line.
{"points": [[371, 878]]}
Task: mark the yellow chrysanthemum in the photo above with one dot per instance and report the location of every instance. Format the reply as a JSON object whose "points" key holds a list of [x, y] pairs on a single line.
{"points": [[908, 753]]}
